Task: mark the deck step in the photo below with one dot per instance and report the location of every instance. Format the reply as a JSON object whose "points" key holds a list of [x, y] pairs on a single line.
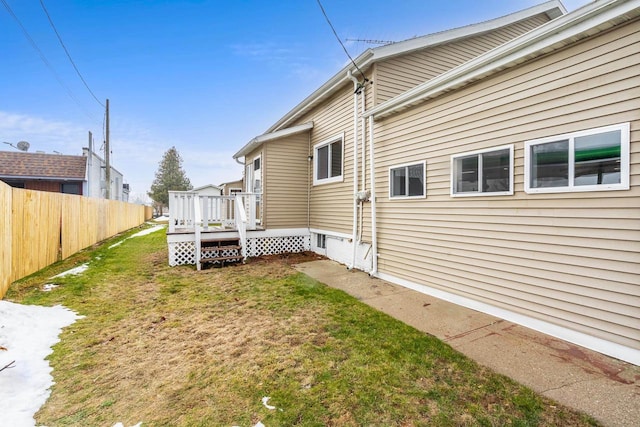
{"points": [[220, 248], [212, 250], [220, 240], [222, 258]]}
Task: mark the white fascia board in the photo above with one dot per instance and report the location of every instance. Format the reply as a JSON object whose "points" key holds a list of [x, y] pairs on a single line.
{"points": [[539, 41], [552, 8], [44, 178], [258, 140]]}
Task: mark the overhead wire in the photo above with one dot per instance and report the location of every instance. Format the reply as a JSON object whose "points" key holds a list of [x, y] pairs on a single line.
{"points": [[55, 30], [340, 41], [44, 59]]}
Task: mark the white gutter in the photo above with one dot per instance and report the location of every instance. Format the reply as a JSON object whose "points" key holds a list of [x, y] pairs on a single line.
{"points": [[374, 225], [354, 241]]}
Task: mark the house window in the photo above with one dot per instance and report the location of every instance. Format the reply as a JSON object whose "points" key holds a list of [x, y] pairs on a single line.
{"points": [[590, 160], [407, 181], [71, 188], [321, 241], [328, 161], [483, 173]]}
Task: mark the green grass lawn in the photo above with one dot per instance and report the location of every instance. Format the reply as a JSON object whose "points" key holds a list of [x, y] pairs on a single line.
{"points": [[180, 347]]}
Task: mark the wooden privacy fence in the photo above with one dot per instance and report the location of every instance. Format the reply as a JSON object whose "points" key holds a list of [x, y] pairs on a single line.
{"points": [[36, 228]]}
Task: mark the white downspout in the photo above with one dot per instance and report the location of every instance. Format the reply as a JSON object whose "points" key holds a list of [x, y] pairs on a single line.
{"points": [[363, 125], [374, 231], [355, 168], [363, 160]]}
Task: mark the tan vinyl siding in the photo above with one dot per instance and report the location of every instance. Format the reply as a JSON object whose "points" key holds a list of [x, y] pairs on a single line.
{"points": [[286, 180], [332, 204], [402, 73], [572, 259], [228, 186]]}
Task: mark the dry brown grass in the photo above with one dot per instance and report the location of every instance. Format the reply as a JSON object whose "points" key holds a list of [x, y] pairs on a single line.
{"points": [[177, 347]]}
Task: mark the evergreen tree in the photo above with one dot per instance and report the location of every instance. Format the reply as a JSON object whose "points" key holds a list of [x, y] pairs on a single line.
{"points": [[169, 177]]}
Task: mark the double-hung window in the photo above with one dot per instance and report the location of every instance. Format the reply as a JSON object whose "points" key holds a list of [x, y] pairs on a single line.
{"points": [[589, 160], [407, 181], [483, 172], [328, 161]]}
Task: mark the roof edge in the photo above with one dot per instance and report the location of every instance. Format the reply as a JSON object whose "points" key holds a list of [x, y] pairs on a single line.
{"points": [[269, 136], [553, 8], [544, 37]]}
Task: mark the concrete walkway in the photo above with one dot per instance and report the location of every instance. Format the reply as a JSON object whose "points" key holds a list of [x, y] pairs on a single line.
{"points": [[605, 388]]}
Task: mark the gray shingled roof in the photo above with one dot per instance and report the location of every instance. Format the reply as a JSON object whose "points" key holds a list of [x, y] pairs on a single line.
{"points": [[39, 165]]}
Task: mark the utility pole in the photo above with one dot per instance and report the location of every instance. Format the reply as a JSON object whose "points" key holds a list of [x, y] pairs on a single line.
{"points": [[90, 168], [107, 152]]}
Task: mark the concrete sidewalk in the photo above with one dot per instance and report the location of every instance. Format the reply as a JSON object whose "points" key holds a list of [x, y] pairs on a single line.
{"points": [[605, 388]]}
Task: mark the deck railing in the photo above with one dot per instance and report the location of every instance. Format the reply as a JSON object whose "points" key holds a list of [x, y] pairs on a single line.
{"points": [[241, 224], [215, 212]]}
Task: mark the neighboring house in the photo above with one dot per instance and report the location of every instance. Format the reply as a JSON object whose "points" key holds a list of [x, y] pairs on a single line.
{"points": [[96, 178], [232, 187], [58, 173], [496, 166], [208, 190], [44, 172]]}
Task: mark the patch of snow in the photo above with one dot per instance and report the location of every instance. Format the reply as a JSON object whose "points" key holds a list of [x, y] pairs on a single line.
{"points": [[147, 231], [49, 287], [27, 332], [77, 270], [139, 233], [265, 401]]}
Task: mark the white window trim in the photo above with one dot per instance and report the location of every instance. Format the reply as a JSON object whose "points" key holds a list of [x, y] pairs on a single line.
{"points": [[316, 147], [253, 174], [424, 180], [624, 129], [480, 193]]}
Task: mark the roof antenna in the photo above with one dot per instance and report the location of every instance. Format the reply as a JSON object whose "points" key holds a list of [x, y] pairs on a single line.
{"points": [[22, 145], [364, 78]]}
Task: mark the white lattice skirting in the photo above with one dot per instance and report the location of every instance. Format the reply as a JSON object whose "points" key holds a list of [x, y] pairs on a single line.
{"points": [[259, 246], [181, 253]]}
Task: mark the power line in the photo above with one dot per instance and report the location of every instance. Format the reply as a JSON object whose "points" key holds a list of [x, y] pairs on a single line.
{"points": [[340, 41], [370, 41], [68, 54], [44, 58]]}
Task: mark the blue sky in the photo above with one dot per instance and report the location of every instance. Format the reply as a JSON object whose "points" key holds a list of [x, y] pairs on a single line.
{"points": [[203, 76]]}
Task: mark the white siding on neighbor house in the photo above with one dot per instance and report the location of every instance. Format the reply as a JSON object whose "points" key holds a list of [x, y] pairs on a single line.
{"points": [[571, 259], [399, 74]]}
